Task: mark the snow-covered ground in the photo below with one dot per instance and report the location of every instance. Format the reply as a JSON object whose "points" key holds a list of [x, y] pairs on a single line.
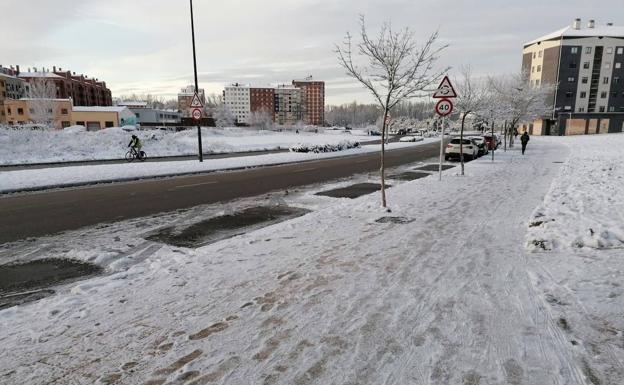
{"points": [[456, 296], [35, 146], [18, 180]]}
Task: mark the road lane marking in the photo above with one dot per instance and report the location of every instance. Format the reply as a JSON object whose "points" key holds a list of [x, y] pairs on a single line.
{"points": [[196, 184]]}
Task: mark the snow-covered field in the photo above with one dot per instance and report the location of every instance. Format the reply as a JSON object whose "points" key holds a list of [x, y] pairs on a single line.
{"points": [[456, 296], [19, 180], [34, 146]]}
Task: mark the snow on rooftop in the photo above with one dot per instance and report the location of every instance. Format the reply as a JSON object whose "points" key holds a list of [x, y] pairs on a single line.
{"points": [[583, 31], [98, 109], [38, 75]]}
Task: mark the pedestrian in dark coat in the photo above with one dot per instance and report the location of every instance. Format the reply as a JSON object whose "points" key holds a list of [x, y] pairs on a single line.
{"points": [[524, 139]]}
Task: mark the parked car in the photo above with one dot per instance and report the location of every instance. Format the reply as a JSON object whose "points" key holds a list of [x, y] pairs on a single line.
{"points": [[401, 131], [480, 142], [374, 132], [470, 149], [492, 142], [410, 138]]}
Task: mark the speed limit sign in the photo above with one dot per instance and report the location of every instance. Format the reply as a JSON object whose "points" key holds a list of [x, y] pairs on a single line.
{"points": [[197, 114], [444, 107]]}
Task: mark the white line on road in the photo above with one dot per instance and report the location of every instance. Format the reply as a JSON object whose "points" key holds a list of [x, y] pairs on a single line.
{"points": [[196, 184]]}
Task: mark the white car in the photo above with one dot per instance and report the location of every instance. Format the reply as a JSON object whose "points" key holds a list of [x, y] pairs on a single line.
{"points": [[470, 150], [410, 138]]}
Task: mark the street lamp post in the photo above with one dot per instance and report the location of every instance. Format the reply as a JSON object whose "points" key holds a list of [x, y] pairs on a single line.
{"points": [[199, 138]]}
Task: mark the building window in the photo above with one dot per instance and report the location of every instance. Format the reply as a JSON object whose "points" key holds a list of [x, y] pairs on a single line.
{"points": [[618, 65], [20, 111], [569, 94], [574, 50], [109, 124], [539, 68], [539, 54], [586, 65], [65, 124], [609, 50], [616, 79], [31, 110], [583, 94], [581, 109], [614, 94], [588, 50], [534, 55], [64, 111], [9, 110], [571, 79], [601, 109], [620, 50], [573, 64], [603, 95], [605, 80], [533, 69], [607, 65], [584, 79]]}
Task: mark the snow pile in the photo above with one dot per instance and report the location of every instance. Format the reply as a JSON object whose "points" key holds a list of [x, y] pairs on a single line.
{"points": [[20, 146], [583, 208], [343, 145]]}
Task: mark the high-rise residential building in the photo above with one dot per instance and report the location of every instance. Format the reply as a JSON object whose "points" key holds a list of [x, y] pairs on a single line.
{"points": [[287, 104], [262, 100], [586, 63], [312, 100], [185, 97], [237, 99]]}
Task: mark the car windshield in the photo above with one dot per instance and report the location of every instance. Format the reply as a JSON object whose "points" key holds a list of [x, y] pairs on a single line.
{"points": [[457, 141]]}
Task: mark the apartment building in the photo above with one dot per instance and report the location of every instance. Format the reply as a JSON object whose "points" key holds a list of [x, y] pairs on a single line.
{"points": [[237, 98], [287, 104], [11, 87], [185, 98], [586, 63], [262, 100], [312, 100]]}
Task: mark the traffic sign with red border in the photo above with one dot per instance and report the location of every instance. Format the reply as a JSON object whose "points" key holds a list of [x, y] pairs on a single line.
{"points": [[197, 113], [444, 107], [445, 90], [196, 101]]}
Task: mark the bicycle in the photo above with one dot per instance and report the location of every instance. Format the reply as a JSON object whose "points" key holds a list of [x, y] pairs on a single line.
{"points": [[132, 154]]}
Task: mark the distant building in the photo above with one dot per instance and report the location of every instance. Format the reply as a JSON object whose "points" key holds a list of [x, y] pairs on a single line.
{"points": [[149, 115], [185, 97], [287, 104], [312, 100], [11, 87], [238, 100], [82, 90], [96, 117], [262, 100], [27, 111], [587, 65]]}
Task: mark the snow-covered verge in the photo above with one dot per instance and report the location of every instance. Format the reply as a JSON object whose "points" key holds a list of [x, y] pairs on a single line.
{"points": [[20, 180], [344, 145], [584, 208], [21, 146], [447, 295]]}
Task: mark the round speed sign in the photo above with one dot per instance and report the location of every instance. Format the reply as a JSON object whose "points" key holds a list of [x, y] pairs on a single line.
{"points": [[197, 113], [444, 107]]}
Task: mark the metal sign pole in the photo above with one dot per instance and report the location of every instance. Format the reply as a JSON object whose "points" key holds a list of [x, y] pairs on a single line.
{"points": [[441, 150], [199, 138]]}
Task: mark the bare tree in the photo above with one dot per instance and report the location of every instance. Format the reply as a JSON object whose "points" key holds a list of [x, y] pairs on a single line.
{"points": [[223, 116], [395, 69], [43, 104], [262, 119], [470, 99], [517, 100]]}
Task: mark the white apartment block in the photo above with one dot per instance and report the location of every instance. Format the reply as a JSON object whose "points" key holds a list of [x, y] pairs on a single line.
{"points": [[237, 99]]}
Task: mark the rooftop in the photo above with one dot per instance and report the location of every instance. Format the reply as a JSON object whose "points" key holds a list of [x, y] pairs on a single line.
{"points": [[607, 30], [39, 75], [98, 109]]}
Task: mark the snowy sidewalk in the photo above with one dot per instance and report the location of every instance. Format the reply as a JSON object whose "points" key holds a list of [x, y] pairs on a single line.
{"points": [[55, 177], [333, 297]]}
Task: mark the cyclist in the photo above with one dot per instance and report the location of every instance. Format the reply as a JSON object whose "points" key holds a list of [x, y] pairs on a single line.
{"points": [[136, 145]]}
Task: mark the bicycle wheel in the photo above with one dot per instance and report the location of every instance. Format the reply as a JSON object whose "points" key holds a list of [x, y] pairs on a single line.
{"points": [[129, 156], [143, 157]]}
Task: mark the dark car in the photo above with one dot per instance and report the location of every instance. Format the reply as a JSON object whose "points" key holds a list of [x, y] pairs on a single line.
{"points": [[492, 142], [481, 144]]}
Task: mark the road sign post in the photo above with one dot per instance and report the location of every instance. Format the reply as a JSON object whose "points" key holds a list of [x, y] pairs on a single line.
{"points": [[443, 108], [199, 138]]}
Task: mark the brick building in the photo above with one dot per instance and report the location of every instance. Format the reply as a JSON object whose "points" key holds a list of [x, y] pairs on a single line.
{"points": [[312, 100], [263, 100]]}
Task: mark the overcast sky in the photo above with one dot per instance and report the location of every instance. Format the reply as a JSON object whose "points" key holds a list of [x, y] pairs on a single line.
{"points": [[144, 46]]}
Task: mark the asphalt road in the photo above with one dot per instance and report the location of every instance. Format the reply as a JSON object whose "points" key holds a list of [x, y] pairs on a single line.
{"points": [[38, 214]]}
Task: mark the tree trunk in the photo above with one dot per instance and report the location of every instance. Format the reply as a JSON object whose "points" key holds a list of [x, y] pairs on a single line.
{"points": [[461, 142], [383, 154], [505, 137]]}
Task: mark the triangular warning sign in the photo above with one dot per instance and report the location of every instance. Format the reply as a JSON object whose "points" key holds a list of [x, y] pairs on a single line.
{"points": [[445, 89], [196, 102]]}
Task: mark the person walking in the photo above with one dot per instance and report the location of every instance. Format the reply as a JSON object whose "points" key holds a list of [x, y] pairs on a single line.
{"points": [[524, 139]]}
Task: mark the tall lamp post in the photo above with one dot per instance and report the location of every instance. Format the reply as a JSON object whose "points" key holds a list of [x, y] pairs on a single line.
{"points": [[199, 138]]}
